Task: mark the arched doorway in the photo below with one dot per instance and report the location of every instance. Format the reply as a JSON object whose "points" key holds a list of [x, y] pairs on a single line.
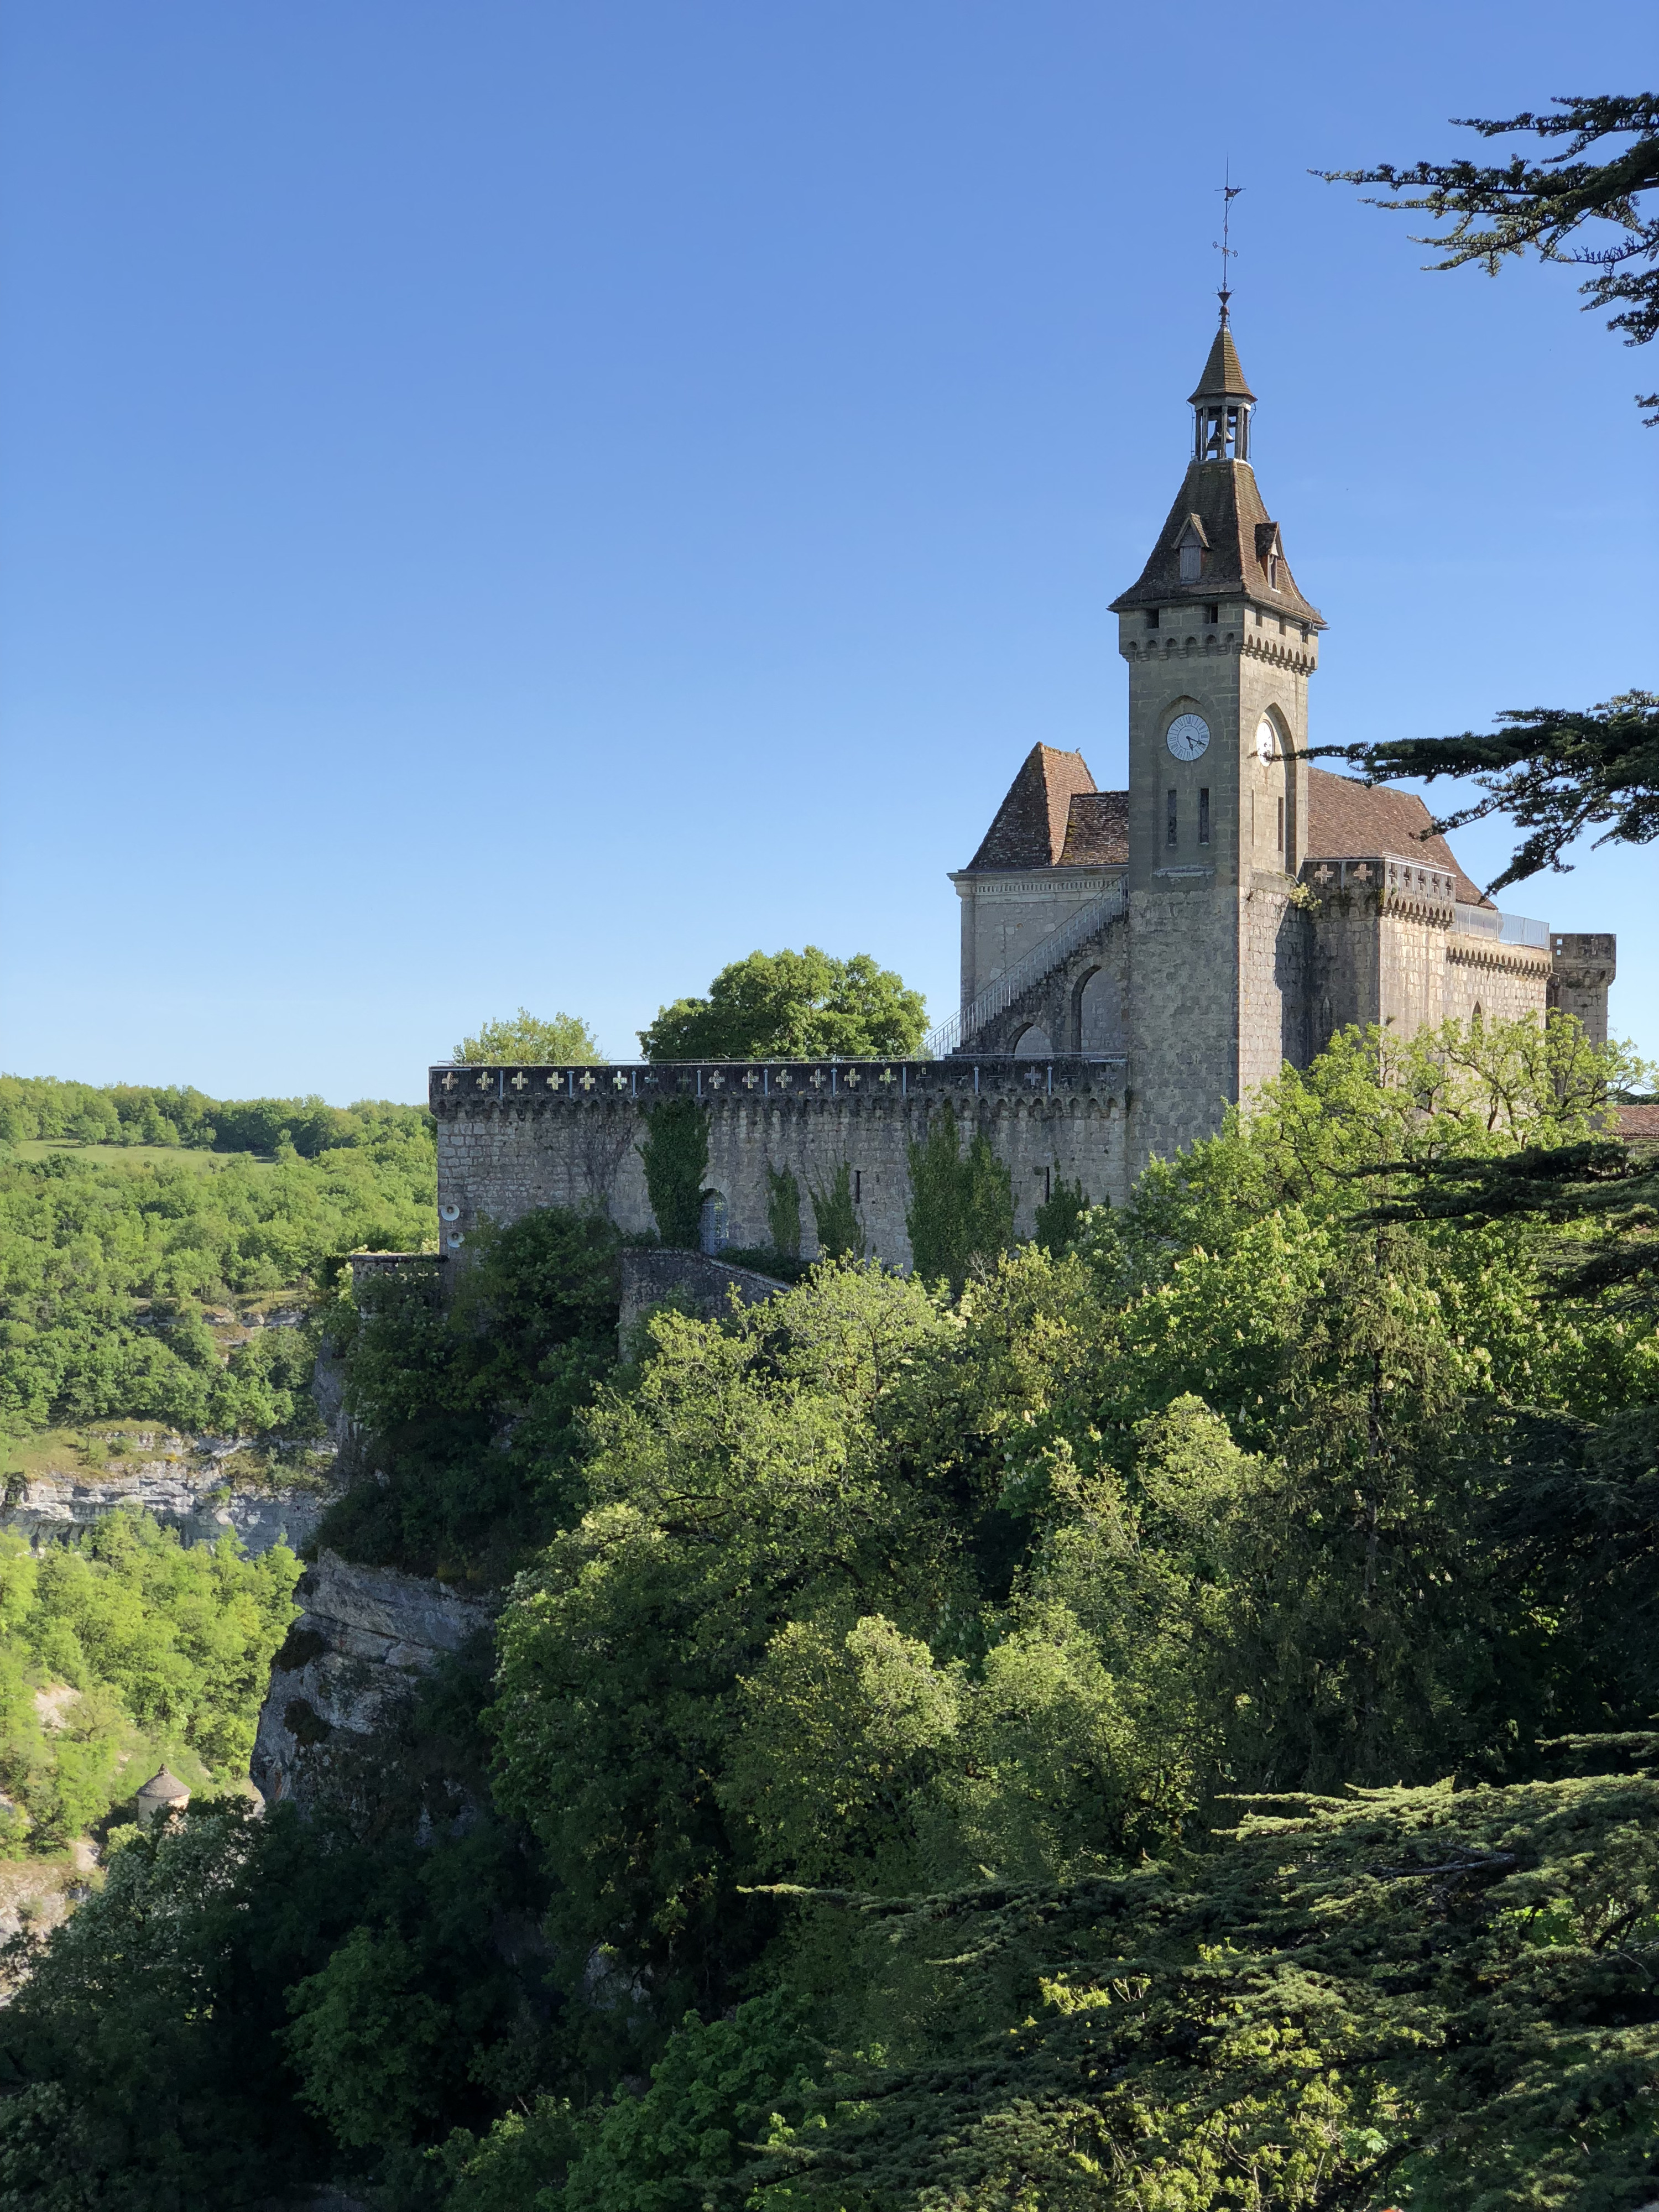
{"points": [[711, 1226], [1033, 1043]]}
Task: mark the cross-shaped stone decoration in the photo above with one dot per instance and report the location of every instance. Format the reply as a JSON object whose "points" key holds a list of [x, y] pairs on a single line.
{"points": [[519, 1081], [651, 1081], [815, 1079], [1032, 1079], [619, 1081], [449, 1080], [785, 1080], [554, 1080], [1362, 872], [1323, 873], [484, 1081], [750, 1080], [589, 1081], [888, 1076], [715, 1080], [852, 1078]]}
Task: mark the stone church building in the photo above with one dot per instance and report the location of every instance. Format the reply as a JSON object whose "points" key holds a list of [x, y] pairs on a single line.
{"points": [[1131, 960]]}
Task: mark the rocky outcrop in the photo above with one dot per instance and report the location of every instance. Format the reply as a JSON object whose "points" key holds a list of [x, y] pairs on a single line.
{"points": [[341, 1684], [191, 1496]]}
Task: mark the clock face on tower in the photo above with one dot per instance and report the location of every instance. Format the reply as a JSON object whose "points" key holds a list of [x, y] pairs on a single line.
{"points": [[1267, 739], [1188, 736]]}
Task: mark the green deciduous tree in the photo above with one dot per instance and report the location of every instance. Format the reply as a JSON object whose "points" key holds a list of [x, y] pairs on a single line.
{"points": [[792, 1005], [565, 1041]]}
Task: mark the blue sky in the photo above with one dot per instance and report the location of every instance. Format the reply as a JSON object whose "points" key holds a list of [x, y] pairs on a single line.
{"points": [[525, 501]]}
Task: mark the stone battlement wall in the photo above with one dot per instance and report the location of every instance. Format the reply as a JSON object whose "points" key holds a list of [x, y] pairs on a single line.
{"points": [[512, 1139]]}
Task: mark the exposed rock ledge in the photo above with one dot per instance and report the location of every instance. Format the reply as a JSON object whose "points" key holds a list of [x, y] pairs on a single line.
{"points": [[364, 1637], [192, 1500]]}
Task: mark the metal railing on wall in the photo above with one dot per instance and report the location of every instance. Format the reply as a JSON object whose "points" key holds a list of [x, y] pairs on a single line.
{"points": [[1044, 957], [1507, 928]]}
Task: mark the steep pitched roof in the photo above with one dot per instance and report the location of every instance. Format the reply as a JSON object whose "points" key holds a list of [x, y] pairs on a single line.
{"points": [[1223, 377], [1029, 828], [1097, 830], [1346, 819], [1222, 498]]}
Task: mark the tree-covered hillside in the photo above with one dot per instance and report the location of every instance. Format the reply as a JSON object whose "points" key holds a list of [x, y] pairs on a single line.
{"points": [[1164, 1726], [110, 1249]]}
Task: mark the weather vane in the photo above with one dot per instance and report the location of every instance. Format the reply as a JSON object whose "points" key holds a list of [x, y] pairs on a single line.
{"points": [[1229, 192]]}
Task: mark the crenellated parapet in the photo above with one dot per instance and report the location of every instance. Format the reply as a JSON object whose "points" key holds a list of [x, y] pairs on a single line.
{"points": [[1381, 884], [478, 1093], [1584, 964], [512, 1139]]}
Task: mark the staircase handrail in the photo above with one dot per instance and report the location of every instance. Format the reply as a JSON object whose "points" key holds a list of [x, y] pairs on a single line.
{"points": [[1044, 957]]}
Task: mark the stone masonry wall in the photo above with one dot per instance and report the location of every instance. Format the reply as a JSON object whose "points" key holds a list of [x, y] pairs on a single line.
{"points": [[1504, 981], [505, 1148], [1275, 951], [1583, 966], [1055, 1002]]}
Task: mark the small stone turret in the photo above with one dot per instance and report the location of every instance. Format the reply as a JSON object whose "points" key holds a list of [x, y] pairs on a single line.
{"points": [[162, 1793], [1582, 964]]}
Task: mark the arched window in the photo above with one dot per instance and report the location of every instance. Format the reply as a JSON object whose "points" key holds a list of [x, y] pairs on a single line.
{"points": [[711, 1226]]}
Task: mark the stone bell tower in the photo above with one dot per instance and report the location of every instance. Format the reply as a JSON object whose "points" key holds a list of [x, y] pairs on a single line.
{"points": [[1220, 645]]}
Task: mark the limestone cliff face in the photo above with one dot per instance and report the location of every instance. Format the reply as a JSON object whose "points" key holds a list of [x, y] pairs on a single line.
{"points": [[365, 1638], [192, 1498]]}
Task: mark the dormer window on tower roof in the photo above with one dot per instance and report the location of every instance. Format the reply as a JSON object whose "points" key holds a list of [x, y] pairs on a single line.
{"points": [[1190, 548]]}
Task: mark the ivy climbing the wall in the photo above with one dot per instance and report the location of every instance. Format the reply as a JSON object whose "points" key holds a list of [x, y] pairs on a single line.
{"points": [[783, 1211], [962, 1207], [676, 1157], [840, 1237]]}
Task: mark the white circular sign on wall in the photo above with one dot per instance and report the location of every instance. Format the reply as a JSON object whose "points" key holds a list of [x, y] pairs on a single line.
{"points": [[1267, 739]]}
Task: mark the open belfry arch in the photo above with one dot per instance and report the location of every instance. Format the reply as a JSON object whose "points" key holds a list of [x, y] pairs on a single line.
{"points": [[1132, 961]]}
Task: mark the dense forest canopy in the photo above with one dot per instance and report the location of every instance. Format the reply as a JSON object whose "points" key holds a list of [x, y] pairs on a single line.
{"points": [[126, 1213], [1163, 1724]]}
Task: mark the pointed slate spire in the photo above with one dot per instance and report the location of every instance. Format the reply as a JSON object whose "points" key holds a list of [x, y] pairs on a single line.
{"points": [[1223, 377]]}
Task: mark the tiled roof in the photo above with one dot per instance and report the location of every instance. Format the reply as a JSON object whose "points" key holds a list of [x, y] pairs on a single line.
{"points": [[1223, 377], [1237, 530], [1097, 830], [1348, 819], [1030, 825], [1638, 1121]]}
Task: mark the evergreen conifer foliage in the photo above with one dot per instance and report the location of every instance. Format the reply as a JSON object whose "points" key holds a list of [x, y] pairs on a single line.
{"points": [[1432, 1998]]}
